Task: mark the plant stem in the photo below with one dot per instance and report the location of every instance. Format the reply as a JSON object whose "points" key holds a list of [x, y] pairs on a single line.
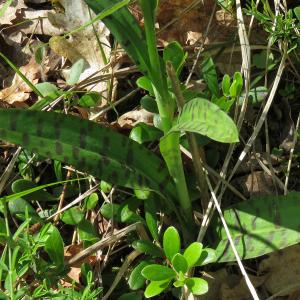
{"points": [[195, 151]]}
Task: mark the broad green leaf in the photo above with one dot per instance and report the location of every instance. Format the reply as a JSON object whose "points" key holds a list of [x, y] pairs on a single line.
{"points": [[237, 85], [297, 12], [208, 256], [148, 248], [91, 201], [128, 214], [89, 99], [54, 246], [39, 53], [87, 146], [72, 216], [136, 280], [259, 226], [145, 83], [149, 104], [158, 272], [111, 211], [105, 187], [142, 195], [154, 288], [21, 185], [47, 89], [87, 231], [197, 286], [226, 84], [151, 217], [256, 95], [178, 283], [202, 116], [192, 253], [260, 59], [75, 72], [179, 263], [18, 208], [142, 133], [210, 76], [171, 242], [176, 55], [131, 296]]}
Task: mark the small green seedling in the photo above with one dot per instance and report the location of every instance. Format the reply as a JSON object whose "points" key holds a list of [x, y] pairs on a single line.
{"points": [[177, 266]]}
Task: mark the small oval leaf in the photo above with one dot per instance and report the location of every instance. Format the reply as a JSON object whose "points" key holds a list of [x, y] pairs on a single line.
{"points": [[179, 263], [72, 216], [156, 287], [147, 247], [157, 272], [192, 253], [197, 286], [136, 280], [171, 242]]}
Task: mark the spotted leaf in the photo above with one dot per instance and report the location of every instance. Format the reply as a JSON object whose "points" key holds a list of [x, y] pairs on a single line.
{"points": [[87, 146]]}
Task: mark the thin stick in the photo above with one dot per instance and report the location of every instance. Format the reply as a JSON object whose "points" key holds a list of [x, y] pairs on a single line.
{"points": [[76, 201], [105, 242], [291, 156], [124, 268], [238, 259]]}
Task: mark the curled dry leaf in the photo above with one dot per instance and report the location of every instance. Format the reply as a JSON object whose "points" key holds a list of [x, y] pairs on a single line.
{"points": [[132, 118], [283, 270], [19, 91]]}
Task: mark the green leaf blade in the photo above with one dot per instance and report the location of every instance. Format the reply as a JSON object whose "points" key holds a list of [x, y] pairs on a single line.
{"points": [[192, 253], [197, 286], [202, 116], [157, 272], [171, 242], [259, 226]]}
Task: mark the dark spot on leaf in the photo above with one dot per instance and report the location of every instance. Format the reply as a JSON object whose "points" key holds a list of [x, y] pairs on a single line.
{"points": [[25, 139], [3, 133], [161, 166], [129, 156], [126, 43], [114, 176], [59, 148], [66, 159], [82, 138], [140, 180], [48, 154], [40, 127], [105, 160], [75, 152]]}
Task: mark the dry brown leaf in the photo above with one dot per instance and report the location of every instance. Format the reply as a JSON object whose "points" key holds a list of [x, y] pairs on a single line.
{"points": [[84, 42], [283, 268], [132, 118], [19, 91]]}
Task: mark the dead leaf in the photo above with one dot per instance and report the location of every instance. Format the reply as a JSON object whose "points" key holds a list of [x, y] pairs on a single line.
{"points": [[283, 269], [19, 91], [132, 118], [84, 42]]}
